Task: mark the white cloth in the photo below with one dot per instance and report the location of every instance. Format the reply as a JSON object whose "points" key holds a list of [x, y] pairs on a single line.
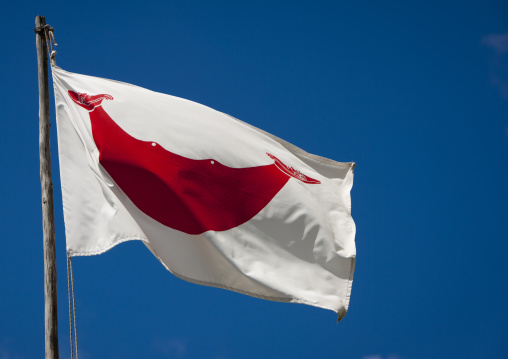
{"points": [[298, 248]]}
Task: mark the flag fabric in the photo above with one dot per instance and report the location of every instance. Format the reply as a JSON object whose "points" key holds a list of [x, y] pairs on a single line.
{"points": [[218, 202]]}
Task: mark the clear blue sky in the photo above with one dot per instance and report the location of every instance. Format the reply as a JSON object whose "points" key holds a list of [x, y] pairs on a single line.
{"points": [[416, 93]]}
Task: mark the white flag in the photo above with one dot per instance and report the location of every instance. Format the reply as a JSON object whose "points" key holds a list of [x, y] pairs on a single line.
{"points": [[217, 201]]}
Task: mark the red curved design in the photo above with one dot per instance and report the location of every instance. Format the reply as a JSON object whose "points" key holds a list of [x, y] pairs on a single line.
{"points": [[192, 196]]}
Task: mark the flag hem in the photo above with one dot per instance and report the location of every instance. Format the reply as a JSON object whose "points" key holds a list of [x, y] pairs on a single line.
{"points": [[341, 312], [116, 242]]}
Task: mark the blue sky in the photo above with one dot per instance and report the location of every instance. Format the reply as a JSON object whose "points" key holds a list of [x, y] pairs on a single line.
{"points": [[416, 93]]}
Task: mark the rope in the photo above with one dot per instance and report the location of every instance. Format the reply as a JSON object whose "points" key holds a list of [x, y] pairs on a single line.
{"points": [[43, 28], [52, 34], [49, 46], [70, 305], [50, 40], [74, 310]]}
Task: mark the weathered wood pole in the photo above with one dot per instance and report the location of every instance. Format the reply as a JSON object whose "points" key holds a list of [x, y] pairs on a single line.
{"points": [[48, 216]]}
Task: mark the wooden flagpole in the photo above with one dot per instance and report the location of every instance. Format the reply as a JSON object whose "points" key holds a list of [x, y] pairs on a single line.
{"points": [[48, 217]]}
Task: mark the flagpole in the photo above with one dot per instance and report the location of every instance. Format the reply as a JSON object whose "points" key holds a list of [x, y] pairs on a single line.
{"points": [[48, 217]]}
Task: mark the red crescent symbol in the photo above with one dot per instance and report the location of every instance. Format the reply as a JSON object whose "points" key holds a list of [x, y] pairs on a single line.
{"points": [[192, 196]]}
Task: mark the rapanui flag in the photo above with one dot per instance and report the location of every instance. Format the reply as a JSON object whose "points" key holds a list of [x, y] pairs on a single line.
{"points": [[217, 201]]}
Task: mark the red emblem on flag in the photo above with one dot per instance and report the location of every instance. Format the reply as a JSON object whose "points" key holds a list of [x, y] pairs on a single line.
{"points": [[192, 196]]}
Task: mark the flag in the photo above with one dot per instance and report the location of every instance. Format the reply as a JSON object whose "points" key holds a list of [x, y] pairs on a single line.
{"points": [[218, 202]]}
